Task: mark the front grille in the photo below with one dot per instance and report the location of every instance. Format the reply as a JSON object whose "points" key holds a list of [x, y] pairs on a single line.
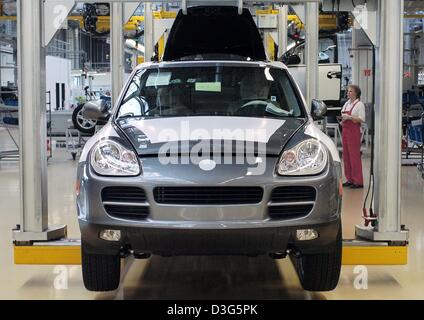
{"points": [[291, 202], [208, 195], [125, 202], [289, 211], [127, 212], [293, 194], [123, 194]]}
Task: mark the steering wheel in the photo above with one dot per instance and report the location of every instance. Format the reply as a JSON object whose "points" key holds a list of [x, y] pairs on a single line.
{"points": [[254, 103], [257, 103]]}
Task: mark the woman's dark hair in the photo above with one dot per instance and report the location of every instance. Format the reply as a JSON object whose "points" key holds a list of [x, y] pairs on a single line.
{"points": [[357, 90]]}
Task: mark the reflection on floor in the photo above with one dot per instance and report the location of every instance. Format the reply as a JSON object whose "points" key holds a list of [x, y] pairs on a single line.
{"points": [[200, 277], [208, 278]]}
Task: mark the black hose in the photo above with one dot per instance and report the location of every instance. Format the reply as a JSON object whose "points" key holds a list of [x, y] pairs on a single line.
{"points": [[373, 130], [371, 179]]}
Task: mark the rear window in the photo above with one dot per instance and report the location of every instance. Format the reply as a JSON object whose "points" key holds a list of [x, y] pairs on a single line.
{"points": [[211, 91]]}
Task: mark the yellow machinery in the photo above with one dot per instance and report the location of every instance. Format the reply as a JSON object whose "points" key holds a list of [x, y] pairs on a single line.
{"points": [[103, 22], [69, 253], [103, 25], [326, 21]]}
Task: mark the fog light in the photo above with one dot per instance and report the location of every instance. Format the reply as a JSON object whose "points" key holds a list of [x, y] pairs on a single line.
{"points": [[306, 234], [110, 235]]}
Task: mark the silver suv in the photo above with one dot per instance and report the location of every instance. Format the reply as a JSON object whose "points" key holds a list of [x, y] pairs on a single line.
{"points": [[212, 152]]}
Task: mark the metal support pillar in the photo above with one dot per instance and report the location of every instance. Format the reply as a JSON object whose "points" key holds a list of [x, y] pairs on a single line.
{"points": [[32, 120], [388, 125], [148, 32], [15, 62], [77, 40], [117, 48], [282, 30], [1, 70], [311, 51], [355, 54]]}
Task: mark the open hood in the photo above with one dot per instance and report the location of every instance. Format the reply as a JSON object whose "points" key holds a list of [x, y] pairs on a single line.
{"points": [[216, 31]]}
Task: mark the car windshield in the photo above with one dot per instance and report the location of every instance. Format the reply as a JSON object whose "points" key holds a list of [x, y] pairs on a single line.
{"points": [[251, 91]]}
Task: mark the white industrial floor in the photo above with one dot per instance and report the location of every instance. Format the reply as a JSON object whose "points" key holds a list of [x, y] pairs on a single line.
{"points": [[198, 277]]}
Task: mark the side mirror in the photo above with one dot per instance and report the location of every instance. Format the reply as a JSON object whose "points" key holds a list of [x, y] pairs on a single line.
{"points": [[293, 59], [95, 110], [318, 109]]}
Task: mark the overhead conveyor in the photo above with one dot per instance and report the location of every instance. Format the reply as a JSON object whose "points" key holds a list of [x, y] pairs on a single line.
{"points": [[37, 242]]}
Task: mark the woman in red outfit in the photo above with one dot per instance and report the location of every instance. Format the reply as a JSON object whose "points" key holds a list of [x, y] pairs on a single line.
{"points": [[353, 115]]}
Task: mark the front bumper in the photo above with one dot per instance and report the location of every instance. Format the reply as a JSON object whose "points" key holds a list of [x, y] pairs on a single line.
{"points": [[208, 229], [171, 241]]}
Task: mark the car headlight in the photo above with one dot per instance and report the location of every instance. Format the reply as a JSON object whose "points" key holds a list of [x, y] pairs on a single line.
{"points": [[109, 158], [306, 158]]}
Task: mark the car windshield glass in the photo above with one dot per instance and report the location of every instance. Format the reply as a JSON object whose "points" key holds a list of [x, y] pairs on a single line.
{"points": [[211, 91]]}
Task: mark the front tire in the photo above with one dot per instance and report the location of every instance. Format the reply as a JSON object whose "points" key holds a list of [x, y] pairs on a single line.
{"points": [[320, 272], [100, 272]]}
